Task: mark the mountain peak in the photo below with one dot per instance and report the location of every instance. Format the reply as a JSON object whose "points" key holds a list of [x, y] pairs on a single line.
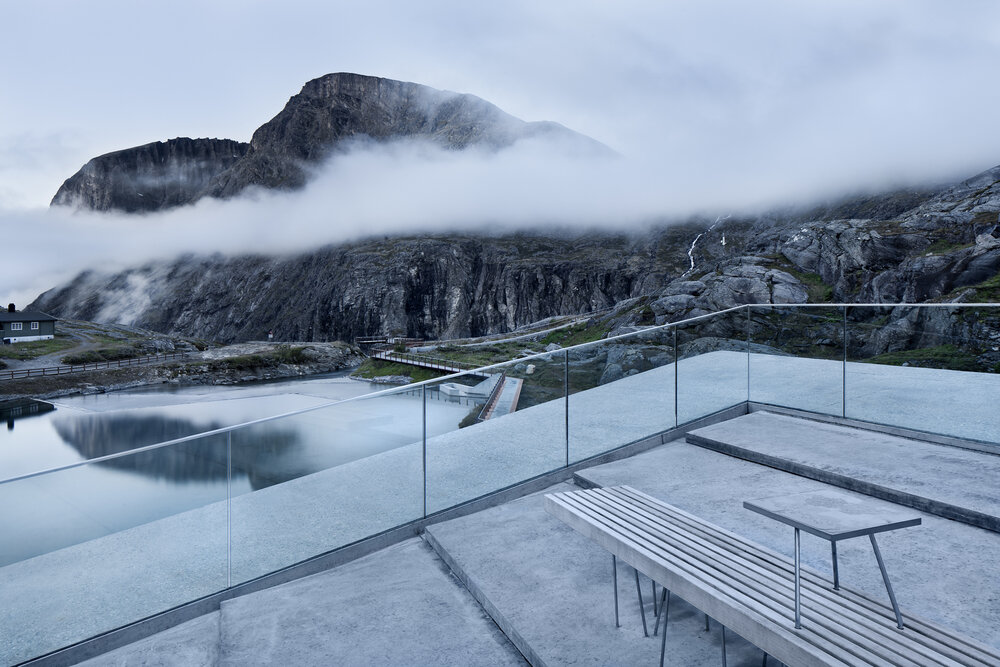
{"points": [[328, 114]]}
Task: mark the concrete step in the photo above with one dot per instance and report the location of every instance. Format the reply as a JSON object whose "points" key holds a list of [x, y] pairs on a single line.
{"points": [[952, 482], [397, 606], [550, 591]]}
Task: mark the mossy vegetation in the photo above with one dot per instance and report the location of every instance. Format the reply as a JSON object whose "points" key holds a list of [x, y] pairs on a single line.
{"points": [[577, 334], [284, 354], [35, 348], [487, 355], [116, 353], [941, 356], [372, 368]]}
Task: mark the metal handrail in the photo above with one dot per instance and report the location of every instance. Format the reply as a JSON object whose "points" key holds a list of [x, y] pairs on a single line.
{"points": [[494, 395], [479, 371]]}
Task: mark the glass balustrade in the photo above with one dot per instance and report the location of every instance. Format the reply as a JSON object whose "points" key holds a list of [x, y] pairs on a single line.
{"points": [[90, 548], [928, 368], [621, 390], [711, 364], [797, 357], [85, 548], [513, 428], [322, 479]]}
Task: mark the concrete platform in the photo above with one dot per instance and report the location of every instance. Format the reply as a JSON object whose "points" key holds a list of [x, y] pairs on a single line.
{"points": [[195, 644], [955, 483], [399, 606], [79, 591], [942, 570], [550, 590]]}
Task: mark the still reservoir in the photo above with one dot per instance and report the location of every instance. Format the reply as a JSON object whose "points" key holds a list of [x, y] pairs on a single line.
{"points": [[52, 511]]}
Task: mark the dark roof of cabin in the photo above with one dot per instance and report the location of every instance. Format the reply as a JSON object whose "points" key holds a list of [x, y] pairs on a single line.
{"points": [[25, 316]]}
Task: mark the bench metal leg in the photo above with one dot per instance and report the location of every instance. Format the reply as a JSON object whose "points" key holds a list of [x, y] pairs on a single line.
{"points": [[836, 574], [885, 578], [706, 622], [656, 611], [642, 608], [614, 576], [798, 598], [723, 645], [665, 614], [664, 599]]}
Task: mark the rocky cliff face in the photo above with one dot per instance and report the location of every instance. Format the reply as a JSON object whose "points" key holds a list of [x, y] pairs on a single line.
{"points": [[421, 287], [328, 115], [150, 178], [334, 110]]}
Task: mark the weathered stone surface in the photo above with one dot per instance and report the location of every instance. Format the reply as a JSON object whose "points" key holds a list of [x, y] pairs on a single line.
{"points": [[150, 178], [330, 114]]}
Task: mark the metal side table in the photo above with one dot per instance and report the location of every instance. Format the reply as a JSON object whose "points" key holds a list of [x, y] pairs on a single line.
{"points": [[834, 516]]}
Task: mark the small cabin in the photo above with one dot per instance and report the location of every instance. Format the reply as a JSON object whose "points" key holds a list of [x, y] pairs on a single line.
{"points": [[24, 325]]}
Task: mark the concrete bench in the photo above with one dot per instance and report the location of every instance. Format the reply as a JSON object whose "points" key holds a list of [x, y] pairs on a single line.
{"points": [[749, 589]]}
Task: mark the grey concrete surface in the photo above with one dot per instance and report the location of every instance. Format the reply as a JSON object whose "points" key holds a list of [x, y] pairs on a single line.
{"points": [[943, 570], [79, 591], [833, 514], [550, 589], [191, 644], [944, 475], [399, 606]]}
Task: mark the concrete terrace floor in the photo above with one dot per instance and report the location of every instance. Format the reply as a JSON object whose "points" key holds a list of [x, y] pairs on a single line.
{"points": [[512, 583], [543, 579]]}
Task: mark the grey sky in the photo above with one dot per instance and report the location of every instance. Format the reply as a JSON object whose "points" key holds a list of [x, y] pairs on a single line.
{"points": [[713, 104]]}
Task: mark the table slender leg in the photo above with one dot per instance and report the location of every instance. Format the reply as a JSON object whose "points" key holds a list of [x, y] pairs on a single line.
{"points": [[664, 598], [798, 597], [706, 622], [836, 574], [656, 611], [885, 578], [723, 645], [614, 570], [665, 614], [642, 608]]}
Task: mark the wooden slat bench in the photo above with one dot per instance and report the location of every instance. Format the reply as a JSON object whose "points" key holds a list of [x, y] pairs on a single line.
{"points": [[748, 588]]}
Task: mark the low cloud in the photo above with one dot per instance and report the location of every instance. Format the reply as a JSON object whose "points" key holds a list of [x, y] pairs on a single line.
{"points": [[714, 107], [403, 188]]}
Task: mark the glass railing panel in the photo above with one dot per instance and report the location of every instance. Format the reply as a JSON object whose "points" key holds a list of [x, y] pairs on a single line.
{"points": [[92, 548], [712, 364], [521, 433], [621, 390], [929, 368], [797, 357], [310, 483]]}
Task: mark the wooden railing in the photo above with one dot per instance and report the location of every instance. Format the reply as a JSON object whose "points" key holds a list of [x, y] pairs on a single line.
{"points": [[22, 373]]}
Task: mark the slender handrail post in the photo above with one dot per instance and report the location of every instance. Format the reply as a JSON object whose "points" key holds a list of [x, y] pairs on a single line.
{"points": [[566, 391], [748, 352], [843, 380], [229, 509], [677, 363], [423, 449]]}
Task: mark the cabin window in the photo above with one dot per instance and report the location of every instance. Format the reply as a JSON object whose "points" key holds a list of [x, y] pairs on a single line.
{"points": [[34, 325], [16, 326]]}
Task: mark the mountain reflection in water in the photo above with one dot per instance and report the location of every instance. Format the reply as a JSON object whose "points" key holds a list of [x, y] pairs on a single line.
{"points": [[261, 455]]}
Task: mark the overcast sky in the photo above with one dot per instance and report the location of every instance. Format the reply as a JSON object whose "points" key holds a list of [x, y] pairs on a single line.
{"points": [[713, 105]]}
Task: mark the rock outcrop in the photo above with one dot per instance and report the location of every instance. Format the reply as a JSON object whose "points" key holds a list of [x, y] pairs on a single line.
{"points": [[149, 178], [436, 287]]}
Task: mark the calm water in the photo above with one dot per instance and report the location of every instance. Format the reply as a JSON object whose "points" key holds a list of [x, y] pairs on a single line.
{"points": [[56, 510]]}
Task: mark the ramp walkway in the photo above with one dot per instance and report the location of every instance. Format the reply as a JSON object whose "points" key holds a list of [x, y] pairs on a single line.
{"points": [[949, 481]]}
